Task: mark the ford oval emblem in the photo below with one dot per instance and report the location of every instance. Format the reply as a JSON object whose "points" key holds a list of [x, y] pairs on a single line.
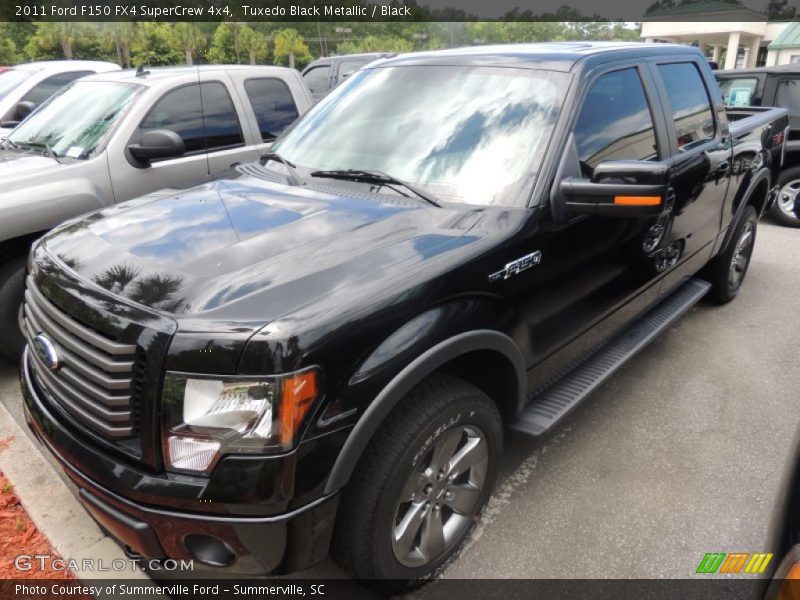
{"points": [[46, 351]]}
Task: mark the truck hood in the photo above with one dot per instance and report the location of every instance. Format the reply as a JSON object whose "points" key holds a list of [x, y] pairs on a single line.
{"points": [[246, 251], [21, 166]]}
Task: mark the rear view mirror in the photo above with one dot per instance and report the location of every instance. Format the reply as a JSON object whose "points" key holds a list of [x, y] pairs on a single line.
{"points": [[620, 188], [157, 143]]}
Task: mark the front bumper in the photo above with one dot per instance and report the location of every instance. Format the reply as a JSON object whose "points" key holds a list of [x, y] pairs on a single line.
{"points": [[283, 542]]}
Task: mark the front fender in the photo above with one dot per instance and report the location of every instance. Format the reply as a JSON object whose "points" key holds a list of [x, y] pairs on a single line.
{"points": [[41, 207], [414, 372]]}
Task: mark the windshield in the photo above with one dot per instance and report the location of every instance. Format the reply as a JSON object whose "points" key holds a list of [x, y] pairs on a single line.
{"points": [[74, 121], [466, 134], [11, 79], [738, 92]]}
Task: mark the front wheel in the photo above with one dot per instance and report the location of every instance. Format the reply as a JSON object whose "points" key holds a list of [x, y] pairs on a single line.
{"points": [[420, 485], [12, 283], [728, 269]]}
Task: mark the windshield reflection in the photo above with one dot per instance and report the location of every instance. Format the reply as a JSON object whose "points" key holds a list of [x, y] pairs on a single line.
{"points": [[74, 121], [466, 134]]}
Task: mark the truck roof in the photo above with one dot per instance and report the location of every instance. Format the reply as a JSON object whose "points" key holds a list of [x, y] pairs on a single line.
{"points": [[559, 56], [791, 68], [153, 76], [67, 65]]}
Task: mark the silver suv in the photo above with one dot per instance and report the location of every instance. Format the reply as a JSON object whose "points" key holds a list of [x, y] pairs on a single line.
{"points": [[116, 136]]}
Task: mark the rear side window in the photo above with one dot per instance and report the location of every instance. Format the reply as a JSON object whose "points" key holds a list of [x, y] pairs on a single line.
{"points": [[318, 79], [789, 96], [615, 122], [47, 87], [738, 91], [691, 107], [202, 114], [273, 105]]}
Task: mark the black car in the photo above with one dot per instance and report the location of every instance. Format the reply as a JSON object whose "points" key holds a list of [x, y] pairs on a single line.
{"points": [[323, 352], [324, 74], [772, 86]]}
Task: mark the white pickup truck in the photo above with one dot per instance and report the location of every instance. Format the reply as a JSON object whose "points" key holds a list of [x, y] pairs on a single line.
{"points": [[111, 137]]}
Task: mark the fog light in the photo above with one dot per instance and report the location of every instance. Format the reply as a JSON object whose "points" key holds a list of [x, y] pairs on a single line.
{"points": [[209, 550], [195, 454]]}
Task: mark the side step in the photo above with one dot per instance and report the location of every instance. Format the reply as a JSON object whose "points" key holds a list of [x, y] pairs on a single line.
{"points": [[551, 405]]}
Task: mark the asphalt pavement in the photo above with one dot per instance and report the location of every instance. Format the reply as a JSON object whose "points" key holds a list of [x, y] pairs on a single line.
{"points": [[684, 451]]}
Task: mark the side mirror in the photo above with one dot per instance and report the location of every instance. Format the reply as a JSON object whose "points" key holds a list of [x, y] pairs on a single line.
{"points": [[617, 188], [20, 111], [157, 143], [23, 109]]}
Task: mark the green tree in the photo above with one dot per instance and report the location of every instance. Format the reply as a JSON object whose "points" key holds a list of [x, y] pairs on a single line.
{"points": [[52, 40], [779, 10], [186, 38], [289, 44], [254, 43], [152, 45], [8, 50], [225, 46]]}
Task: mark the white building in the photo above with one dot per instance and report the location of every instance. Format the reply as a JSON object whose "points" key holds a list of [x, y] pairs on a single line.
{"points": [[743, 39]]}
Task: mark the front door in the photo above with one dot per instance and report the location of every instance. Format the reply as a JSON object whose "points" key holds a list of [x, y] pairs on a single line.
{"points": [[598, 271]]}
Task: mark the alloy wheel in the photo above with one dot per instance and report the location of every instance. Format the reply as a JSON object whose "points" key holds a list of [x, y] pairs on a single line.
{"points": [[440, 497], [741, 256]]}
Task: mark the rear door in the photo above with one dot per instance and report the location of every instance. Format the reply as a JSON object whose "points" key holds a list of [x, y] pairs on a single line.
{"points": [[319, 80], [700, 164]]}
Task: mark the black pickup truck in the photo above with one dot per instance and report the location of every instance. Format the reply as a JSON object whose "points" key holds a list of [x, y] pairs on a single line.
{"points": [[322, 353], [771, 86]]}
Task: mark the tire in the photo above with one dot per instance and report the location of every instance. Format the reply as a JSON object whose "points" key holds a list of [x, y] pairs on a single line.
{"points": [[12, 277], [727, 271], [783, 209], [398, 485]]}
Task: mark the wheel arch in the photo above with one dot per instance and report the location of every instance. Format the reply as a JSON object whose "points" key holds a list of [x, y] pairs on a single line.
{"points": [[456, 355]]}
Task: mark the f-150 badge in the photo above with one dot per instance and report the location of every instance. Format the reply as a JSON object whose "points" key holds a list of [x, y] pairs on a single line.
{"points": [[517, 266]]}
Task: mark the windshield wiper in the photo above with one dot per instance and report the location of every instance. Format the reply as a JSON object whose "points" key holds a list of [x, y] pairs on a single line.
{"points": [[47, 149], [377, 177], [290, 168]]}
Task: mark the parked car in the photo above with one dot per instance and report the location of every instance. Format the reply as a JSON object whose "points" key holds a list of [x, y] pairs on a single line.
{"points": [[26, 86], [327, 346], [116, 136], [324, 74], [772, 86]]}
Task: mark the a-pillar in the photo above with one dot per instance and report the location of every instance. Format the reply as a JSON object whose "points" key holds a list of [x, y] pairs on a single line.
{"points": [[717, 54]]}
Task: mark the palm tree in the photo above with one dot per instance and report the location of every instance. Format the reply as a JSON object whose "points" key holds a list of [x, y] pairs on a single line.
{"points": [[289, 43], [187, 38], [122, 35], [53, 35], [254, 43]]}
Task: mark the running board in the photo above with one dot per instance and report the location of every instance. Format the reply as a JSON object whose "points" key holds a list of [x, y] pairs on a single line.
{"points": [[552, 404]]}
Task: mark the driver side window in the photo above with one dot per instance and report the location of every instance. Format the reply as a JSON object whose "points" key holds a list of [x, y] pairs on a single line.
{"points": [[615, 122]]}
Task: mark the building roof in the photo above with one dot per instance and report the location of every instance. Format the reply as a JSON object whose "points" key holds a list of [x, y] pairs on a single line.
{"points": [[788, 38], [710, 8]]}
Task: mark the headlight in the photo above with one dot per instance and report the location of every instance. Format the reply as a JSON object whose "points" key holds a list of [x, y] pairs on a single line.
{"points": [[206, 417]]}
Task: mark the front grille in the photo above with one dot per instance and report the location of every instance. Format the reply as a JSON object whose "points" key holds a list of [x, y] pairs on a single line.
{"points": [[95, 382]]}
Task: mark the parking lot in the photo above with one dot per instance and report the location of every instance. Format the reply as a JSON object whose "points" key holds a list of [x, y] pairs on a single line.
{"points": [[682, 452]]}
